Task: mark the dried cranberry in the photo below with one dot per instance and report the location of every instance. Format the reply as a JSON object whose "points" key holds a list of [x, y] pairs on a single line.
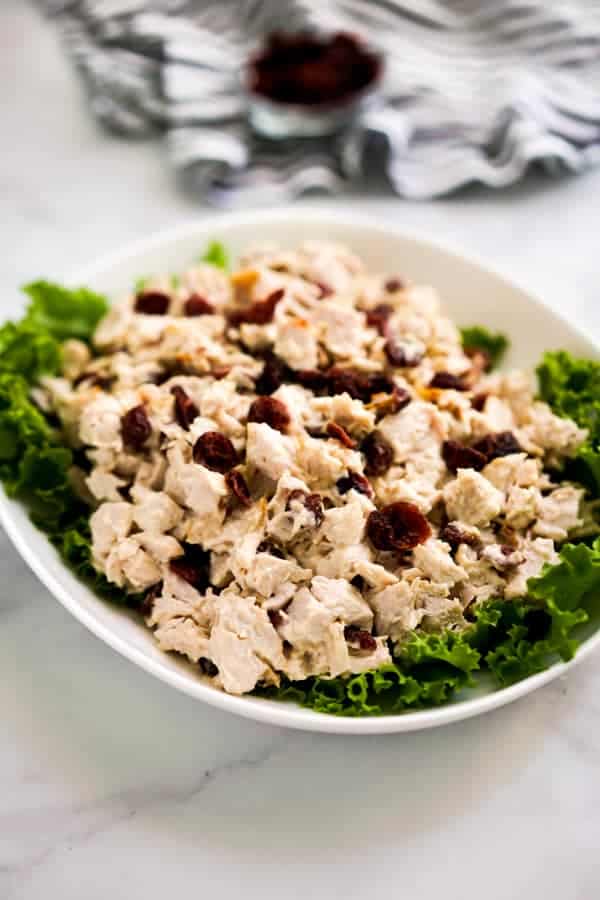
{"points": [[215, 451], [147, 602], [503, 443], [478, 402], [359, 636], [208, 667], [193, 566], [378, 383], [393, 284], [336, 431], [399, 526], [259, 313], [271, 411], [312, 379], [275, 617], [236, 483], [354, 481], [401, 356], [185, 408], [312, 502], [455, 535], [447, 381], [379, 453], [270, 547], [198, 306], [459, 456], [378, 317], [136, 427], [345, 381], [125, 492], [165, 373], [273, 374], [105, 382], [152, 303]]}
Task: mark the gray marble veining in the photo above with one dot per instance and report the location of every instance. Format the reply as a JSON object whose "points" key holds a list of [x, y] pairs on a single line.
{"points": [[113, 785]]}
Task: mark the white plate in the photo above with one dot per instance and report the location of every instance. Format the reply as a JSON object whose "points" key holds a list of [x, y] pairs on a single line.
{"points": [[472, 295]]}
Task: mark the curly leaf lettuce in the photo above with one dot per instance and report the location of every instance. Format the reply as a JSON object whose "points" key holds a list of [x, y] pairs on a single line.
{"points": [[34, 463], [27, 350], [63, 312], [216, 254], [31, 347], [571, 387], [478, 338]]}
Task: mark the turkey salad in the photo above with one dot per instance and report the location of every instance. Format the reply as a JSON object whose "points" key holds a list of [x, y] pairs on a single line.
{"points": [[300, 467]]}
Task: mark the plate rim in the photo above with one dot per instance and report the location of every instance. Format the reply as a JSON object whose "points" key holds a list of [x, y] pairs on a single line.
{"points": [[276, 712]]}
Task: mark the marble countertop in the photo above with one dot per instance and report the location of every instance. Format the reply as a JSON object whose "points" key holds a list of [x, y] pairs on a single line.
{"points": [[113, 785]]}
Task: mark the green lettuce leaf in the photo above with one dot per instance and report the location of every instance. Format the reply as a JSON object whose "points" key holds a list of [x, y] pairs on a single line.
{"points": [[34, 466], [217, 255], [519, 638], [34, 462], [63, 312], [478, 338], [27, 350], [571, 387]]}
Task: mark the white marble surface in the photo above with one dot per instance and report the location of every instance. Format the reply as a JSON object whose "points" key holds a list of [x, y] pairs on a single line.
{"points": [[113, 785]]}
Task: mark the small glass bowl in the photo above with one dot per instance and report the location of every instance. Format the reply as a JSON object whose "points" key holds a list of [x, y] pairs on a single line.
{"points": [[280, 120]]}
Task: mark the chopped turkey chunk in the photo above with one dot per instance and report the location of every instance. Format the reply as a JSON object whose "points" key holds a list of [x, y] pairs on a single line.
{"points": [[195, 486], [346, 411], [233, 434], [100, 423], [104, 485], [127, 563], [183, 636], [269, 451], [154, 511], [548, 432], [395, 613], [521, 506], [346, 524], [343, 600], [109, 525], [416, 430], [243, 643], [536, 552], [513, 470], [435, 562], [472, 499], [558, 512], [296, 342]]}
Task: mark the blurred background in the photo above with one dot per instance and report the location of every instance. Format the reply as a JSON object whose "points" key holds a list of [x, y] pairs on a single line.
{"points": [[263, 100]]}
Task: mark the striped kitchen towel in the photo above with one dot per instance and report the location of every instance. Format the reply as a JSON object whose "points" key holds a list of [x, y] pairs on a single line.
{"points": [[474, 90]]}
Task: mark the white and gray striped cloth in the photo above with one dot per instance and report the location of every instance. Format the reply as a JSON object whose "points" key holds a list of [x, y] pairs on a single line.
{"points": [[474, 90]]}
